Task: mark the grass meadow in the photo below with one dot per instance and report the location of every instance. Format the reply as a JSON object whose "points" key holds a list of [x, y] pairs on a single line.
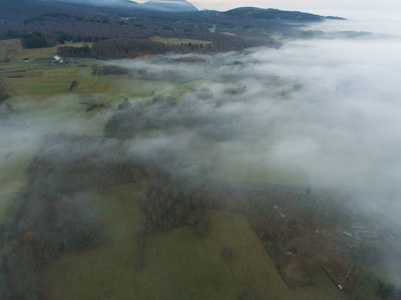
{"points": [[178, 263]]}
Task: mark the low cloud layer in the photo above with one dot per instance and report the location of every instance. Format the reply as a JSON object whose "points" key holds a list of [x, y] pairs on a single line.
{"points": [[325, 110], [322, 113]]}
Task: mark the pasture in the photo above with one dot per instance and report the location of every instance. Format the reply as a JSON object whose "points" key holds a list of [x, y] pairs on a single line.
{"points": [[13, 50], [17, 148], [177, 263]]}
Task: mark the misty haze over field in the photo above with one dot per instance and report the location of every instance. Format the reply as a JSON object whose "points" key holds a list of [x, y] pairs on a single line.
{"points": [[322, 112], [316, 112], [297, 139], [325, 109]]}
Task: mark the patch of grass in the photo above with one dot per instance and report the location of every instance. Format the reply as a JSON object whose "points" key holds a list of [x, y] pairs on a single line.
{"points": [[107, 270], [228, 33], [52, 108], [16, 151], [9, 48], [50, 87], [59, 113], [178, 41], [178, 263], [13, 50], [43, 79], [183, 265]]}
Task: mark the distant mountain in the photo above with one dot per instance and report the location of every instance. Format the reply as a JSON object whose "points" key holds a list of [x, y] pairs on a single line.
{"points": [[107, 3], [154, 5], [169, 6], [275, 14]]}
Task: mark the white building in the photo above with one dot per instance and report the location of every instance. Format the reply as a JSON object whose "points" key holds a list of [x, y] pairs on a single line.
{"points": [[59, 59]]}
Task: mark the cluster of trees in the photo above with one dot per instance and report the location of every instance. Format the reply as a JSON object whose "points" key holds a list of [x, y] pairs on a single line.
{"points": [[70, 51], [129, 120], [64, 36], [68, 23], [128, 47], [108, 70], [171, 202], [274, 14], [43, 39], [124, 47], [387, 290], [74, 163], [163, 113], [46, 223], [34, 40]]}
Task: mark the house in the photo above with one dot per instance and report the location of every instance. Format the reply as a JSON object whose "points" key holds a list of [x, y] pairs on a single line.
{"points": [[59, 59]]}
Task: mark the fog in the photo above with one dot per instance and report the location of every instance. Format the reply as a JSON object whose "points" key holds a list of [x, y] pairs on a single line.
{"points": [[316, 112], [325, 108], [320, 113]]}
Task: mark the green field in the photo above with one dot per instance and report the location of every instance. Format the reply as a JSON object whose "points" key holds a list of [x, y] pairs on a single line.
{"points": [[178, 263], [39, 93], [39, 78], [16, 151], [13, 50], [93, 272], [42, 79]]}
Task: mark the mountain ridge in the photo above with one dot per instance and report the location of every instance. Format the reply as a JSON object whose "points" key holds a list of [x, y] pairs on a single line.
{"points": [[277, 14], [153, 5], [169, 6]]}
